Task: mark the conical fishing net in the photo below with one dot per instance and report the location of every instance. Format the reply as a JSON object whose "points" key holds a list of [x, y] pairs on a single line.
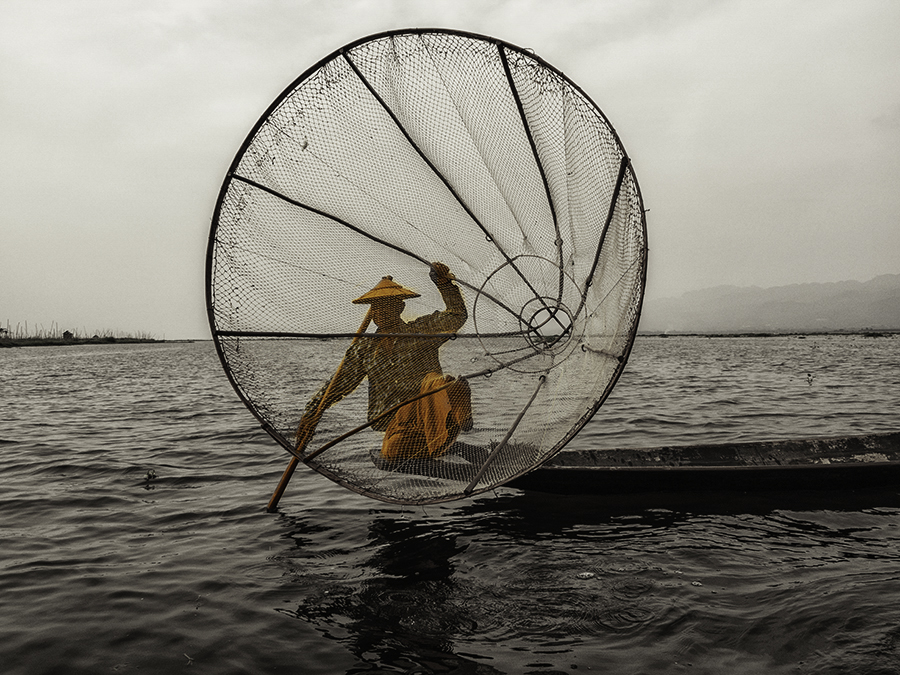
{"points": [[497, 198]]}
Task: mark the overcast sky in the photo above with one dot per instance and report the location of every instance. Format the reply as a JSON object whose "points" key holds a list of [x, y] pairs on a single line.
{"points": [[765, 134]]}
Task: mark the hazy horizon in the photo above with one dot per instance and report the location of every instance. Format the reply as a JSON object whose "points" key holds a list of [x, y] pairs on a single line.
{"points": [[647, 325], [765, 136]]}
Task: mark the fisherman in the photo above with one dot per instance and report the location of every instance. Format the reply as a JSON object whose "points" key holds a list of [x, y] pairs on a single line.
{"points": [[402, 364]]}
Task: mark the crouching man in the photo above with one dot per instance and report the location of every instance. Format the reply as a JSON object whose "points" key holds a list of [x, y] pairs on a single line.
{"points": [[401, 363]]}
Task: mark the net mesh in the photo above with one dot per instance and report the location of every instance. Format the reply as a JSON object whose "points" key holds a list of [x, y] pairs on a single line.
{"points": [[395, 152]]}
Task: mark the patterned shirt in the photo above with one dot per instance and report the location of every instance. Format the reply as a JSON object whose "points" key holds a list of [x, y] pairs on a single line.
{"points": [[396, 366]]}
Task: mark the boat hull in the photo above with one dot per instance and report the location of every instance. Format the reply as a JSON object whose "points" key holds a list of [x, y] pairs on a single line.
{"points": [[842, 463]]}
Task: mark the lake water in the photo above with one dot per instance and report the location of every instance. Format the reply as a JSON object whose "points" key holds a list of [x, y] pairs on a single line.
{"points": [[134, 537]]}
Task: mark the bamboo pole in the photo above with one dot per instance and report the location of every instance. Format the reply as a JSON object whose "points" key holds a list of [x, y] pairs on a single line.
{"points": [[304, 439]]}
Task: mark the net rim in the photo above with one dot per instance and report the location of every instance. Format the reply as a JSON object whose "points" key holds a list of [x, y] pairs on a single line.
{"points": [[501, 45]]}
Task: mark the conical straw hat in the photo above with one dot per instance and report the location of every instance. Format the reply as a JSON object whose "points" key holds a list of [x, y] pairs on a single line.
{"points": [[384, 289]]}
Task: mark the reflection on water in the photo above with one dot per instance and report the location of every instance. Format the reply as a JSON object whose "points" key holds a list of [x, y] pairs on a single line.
{"points": [[419, 599], [406, 610], [515, 583]]}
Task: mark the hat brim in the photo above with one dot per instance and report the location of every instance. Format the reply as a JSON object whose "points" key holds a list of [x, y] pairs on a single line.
{"points": [[377, 295]]}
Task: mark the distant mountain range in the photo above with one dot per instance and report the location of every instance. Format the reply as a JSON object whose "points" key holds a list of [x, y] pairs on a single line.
{"points": [[840, 306]]}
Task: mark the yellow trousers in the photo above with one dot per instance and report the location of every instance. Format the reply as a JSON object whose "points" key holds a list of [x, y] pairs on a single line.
{"points": [[428, 426]]}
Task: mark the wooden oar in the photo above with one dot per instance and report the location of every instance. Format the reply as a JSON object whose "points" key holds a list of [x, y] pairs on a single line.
{"points": [[303, 439]]}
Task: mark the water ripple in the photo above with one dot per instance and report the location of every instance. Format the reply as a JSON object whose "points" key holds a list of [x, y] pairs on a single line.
{"points": [[133, 533]]}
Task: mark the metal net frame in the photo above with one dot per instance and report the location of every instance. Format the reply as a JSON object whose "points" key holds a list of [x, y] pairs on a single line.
{"points": [[396, 151]]}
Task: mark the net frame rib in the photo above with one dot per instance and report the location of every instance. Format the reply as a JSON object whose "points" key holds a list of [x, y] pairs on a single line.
{"points": [[440, 175], [538, 163], [293, 202], [503, 443], [624, 164]]}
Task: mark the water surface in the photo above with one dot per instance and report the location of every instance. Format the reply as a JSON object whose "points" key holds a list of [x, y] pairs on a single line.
{"points": [[133, 535]]}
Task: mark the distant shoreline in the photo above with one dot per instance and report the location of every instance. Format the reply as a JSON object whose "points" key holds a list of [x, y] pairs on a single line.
{"points": [[63, 342], [884, 332]]}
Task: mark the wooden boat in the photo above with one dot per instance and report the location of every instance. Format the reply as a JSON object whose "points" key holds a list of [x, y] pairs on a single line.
{"points": [[840, 463]]}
